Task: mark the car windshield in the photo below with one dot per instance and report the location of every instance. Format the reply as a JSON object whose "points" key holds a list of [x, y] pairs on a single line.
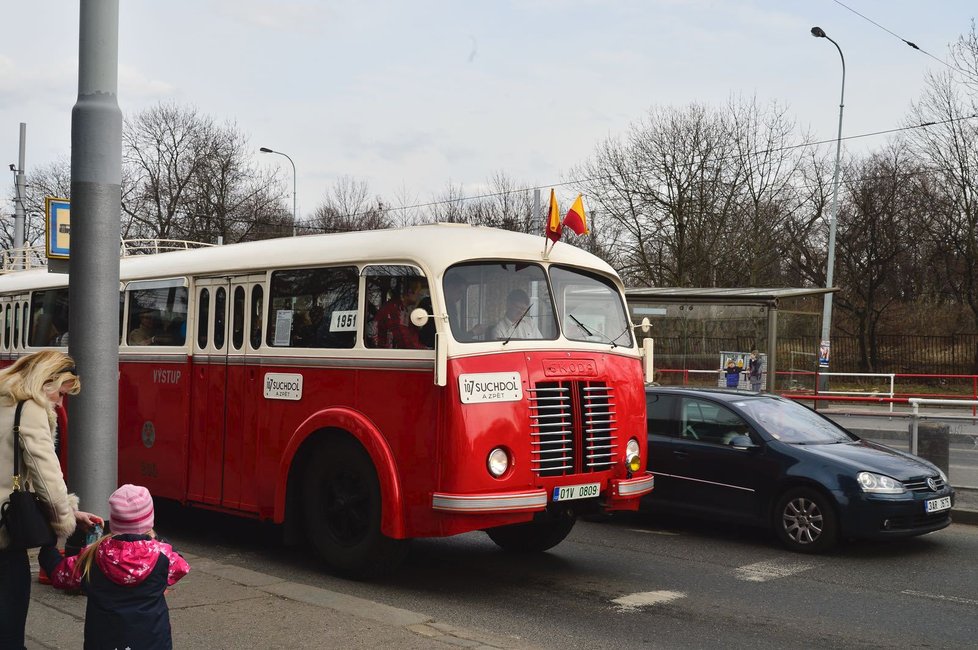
{"points": [[793, 423]]}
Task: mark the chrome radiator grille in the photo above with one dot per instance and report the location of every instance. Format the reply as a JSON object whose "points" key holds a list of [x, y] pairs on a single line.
{"points": [[920, 484], [572, 425]]}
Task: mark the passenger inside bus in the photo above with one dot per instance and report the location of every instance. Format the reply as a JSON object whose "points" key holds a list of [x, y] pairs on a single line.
{"points": [[394, 327], [517, 323], [148, 329]]}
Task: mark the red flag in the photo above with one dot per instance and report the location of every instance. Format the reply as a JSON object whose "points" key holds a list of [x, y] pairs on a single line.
{"points": [[554, 227], [575, 219]]}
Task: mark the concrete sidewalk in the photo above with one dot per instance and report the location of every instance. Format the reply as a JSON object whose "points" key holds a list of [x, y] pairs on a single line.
{"points": [[223, 606]]}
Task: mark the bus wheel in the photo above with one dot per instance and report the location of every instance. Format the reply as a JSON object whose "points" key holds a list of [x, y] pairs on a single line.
{"points": [[343, 511], [531, 537]]}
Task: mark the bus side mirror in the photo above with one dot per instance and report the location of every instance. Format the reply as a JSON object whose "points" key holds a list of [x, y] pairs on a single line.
{"points": [[645, 325], [419, 317]]}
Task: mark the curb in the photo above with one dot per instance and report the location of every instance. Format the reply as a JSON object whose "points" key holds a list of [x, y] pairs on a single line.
{"points": [[969, 517]]}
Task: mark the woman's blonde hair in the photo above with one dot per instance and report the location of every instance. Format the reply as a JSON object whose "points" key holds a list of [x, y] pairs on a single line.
{"points": [[36, 375]]}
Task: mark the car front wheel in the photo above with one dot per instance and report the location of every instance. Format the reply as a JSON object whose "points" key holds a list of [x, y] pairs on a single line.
{"points": [[805, 521]]}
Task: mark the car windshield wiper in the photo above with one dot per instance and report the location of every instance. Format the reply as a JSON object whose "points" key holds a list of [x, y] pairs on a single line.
{"points": [[517, 323]]}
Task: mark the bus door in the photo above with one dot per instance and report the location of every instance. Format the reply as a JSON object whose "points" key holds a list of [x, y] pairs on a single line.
{"points": [[222, 447]]}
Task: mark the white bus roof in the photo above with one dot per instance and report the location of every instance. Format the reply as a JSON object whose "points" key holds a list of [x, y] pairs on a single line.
{"points": [[433, 247]]}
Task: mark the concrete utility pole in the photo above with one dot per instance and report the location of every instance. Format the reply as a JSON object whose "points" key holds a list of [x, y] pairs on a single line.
{"points": [[96, 206], [20, 214]]}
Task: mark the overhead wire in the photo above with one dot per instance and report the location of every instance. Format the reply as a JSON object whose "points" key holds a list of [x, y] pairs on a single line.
{"points": [[579, 181], [966, 73]]}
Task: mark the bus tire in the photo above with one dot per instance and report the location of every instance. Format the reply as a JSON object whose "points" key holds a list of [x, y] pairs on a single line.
{"points": [[343, 509], [533, 536]]}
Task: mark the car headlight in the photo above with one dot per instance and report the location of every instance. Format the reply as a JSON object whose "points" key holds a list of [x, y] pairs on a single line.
{"points": [[943, 475], [633, 461], [879, 484], [498, 462]]}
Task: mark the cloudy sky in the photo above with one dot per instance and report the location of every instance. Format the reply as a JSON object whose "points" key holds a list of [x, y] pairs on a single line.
{"points": [[412, 95]]}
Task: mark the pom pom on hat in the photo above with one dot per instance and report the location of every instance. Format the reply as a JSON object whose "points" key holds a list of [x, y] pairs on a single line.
{"points": [[130, 510]]}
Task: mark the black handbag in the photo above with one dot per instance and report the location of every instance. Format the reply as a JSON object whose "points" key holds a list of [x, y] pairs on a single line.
{"points": [[25, 515]]}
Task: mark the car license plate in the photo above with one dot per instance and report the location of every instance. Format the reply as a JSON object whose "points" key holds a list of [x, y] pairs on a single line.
{"points": [[936, 505], [569, 492]]}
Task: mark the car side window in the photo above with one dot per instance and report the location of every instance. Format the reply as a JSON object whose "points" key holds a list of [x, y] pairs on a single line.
{"points": [[661, 415], [710, 422]]}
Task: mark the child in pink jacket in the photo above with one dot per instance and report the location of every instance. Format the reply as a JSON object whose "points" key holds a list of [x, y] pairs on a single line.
{"points": [[124, 574]]}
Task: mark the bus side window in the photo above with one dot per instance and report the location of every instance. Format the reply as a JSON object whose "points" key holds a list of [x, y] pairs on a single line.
{"points": [[157, 316], [313, 308], [203, 310], [237, 318], [398, 290], [257, 297], [49, 318], [220, 314]]}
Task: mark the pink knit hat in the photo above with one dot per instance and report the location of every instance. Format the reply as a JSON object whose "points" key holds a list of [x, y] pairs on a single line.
{"points": [[130, 510]]}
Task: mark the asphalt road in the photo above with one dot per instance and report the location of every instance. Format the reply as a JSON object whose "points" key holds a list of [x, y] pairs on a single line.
{"points": [[650, 581]]}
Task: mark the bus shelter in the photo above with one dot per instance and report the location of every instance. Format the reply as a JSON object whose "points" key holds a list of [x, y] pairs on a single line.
{"points": [[699, 324]]}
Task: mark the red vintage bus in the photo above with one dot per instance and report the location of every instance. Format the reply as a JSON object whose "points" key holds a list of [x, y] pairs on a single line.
{"points": [[367, 388]]}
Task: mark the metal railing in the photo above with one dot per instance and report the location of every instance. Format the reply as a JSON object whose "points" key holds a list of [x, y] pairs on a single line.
{"points": [[22, 259], [131, 247], [915, 416], [35, 257]]}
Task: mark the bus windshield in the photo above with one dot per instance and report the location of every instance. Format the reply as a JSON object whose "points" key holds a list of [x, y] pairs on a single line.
{"points": [[510, 301], [590, 307]]}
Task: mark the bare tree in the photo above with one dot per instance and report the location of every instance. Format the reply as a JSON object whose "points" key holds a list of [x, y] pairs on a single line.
{"points": [[165, 148], [348, 206], [874, 241], [186, 177], [506, 204], [769, 197], [949, 148], [690, 191]]}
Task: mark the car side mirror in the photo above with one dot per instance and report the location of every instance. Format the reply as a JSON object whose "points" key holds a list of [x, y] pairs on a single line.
{"points": [[742, 442]]}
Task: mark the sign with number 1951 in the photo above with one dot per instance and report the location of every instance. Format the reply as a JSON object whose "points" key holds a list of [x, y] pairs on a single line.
{"points": [[343, 321]]}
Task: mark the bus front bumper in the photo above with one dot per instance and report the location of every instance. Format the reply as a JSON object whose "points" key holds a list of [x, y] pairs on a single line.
{"points": [[622, 494]]}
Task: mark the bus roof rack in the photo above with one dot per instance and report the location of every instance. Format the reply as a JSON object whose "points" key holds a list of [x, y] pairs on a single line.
{"points": [[22, 259], [34, 257], [131, 247]]}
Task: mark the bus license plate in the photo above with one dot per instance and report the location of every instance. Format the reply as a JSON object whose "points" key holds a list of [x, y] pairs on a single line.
{"points": [[936, 505], [569, 492]]}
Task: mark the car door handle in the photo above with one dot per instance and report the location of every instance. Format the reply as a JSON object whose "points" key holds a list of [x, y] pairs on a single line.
{"points": [[680, 453]]}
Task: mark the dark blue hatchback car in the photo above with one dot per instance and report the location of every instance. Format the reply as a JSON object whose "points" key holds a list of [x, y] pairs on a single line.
{"points": [[763, 459]]}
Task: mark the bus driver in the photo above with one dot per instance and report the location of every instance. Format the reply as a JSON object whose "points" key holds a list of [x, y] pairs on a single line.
{"points": [[515, 323]]}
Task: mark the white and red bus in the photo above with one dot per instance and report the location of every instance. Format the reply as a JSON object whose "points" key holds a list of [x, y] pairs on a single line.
{"points": [[367, 388]]}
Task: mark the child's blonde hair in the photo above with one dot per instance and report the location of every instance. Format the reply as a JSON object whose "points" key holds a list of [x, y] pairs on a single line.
{"points": [[83, 566]]}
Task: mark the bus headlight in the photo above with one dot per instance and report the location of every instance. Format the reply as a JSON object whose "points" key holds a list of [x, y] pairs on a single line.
{"points": [[633, 461], [498, 462]]}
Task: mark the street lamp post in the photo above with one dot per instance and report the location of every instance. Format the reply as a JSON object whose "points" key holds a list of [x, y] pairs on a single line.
{"points": [[825, 346], [294, 213]]}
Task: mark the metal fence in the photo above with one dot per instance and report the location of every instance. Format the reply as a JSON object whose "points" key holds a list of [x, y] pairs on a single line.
{"points": [[936, 355]]}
